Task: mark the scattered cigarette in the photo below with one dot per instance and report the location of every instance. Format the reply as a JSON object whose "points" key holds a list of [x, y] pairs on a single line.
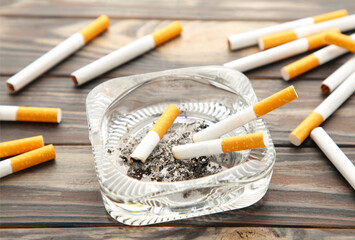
{"points": [[337, 77], [341, 40], [280, 52], [151, 140], [126, 53], [26, 160], [246, 115], [343, 24], [312, 61], [246, 39], [57, 54], [30, 114], [223, 145], [323, 111], [19, 146], [334, 154]]}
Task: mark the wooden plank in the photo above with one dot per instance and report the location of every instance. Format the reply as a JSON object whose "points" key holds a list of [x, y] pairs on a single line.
{"points": [[305, 190], [202, 43], [194, 9], [196, 233], [60, 92]]}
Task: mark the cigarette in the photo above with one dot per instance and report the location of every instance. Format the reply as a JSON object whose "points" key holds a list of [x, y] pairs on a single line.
{"points": [[30, 114], [247, 39], [19, 146], [323, 111], [26, 160], [126, 53], [280, 52], [337, 77], [246, 115], [153, 137], [57, 54], [223, 145], [312, 61], [334, 154], [343, 24], [341, 40]]}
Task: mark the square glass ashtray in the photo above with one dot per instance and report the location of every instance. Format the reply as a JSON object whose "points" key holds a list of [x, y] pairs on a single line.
{"points": [[120, 112]]}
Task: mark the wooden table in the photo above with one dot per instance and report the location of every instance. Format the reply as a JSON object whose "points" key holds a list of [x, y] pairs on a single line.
{"points": [[307, 197]]}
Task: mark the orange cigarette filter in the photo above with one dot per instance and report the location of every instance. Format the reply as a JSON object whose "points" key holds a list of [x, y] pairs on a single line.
{"points": [[300, 66], [166, 120], [172, 30], [329, 16], [95, 28], [275, 101], [303, 130], [19, 146], [317, 40], [244, 142], [340, 40]]}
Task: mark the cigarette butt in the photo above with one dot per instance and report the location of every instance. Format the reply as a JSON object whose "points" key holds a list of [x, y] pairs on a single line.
{"points": [[56, 55], [30, 114], [344, 23], [95, 28], [125, 54], [151, 140], [334, 154], [26, 160], [165, 34], [218, 146], [340, 40], [19, 146], [246, 115], [304, 129]]}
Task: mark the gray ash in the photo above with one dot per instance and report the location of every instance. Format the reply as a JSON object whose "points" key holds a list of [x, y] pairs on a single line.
{"points": [[161, 166]]}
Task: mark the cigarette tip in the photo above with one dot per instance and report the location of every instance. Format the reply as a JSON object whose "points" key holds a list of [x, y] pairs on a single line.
{"points": [[10, 87], [261, 44], [295, 91], [74, 80], [294, 139], [325, 89], [285, 74]]}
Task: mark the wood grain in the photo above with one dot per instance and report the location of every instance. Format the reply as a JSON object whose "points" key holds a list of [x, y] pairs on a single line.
{"points": [[177, 233], [192, 9], [305, 190]]}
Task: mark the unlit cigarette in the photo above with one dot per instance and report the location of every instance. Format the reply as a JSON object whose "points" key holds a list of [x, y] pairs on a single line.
{"points": [[334, 154], [151, 140], [57, 54], [246, 115], [30, 114], [312, 61], [246, 39], [341, 40], [280, 52], [19, 146], [218, 146], [126, 53], [337, 77], [323, 111], [26, 160], [273, 40]]}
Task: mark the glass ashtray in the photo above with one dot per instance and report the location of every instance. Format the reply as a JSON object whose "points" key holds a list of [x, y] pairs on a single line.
{"points": [[124, 108]]}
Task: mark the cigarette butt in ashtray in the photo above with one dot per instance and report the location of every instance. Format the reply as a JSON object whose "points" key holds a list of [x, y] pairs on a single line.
{"points": [[223, 145], [280, 52], [30, 114], [334, 154], [315, 59], [337, 77], [57, 54], [345, 23], [250, 38], [126, 53], [341, 40], [15, 147], [153, 137], [246, 115], [26, 160], [323, 111]]}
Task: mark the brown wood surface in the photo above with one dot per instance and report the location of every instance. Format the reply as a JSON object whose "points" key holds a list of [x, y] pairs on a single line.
{"points": [[307, 198]]}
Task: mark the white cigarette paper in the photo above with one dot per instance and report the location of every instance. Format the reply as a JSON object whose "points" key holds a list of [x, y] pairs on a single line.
{"points": [[334, 154], [337, 77]]}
